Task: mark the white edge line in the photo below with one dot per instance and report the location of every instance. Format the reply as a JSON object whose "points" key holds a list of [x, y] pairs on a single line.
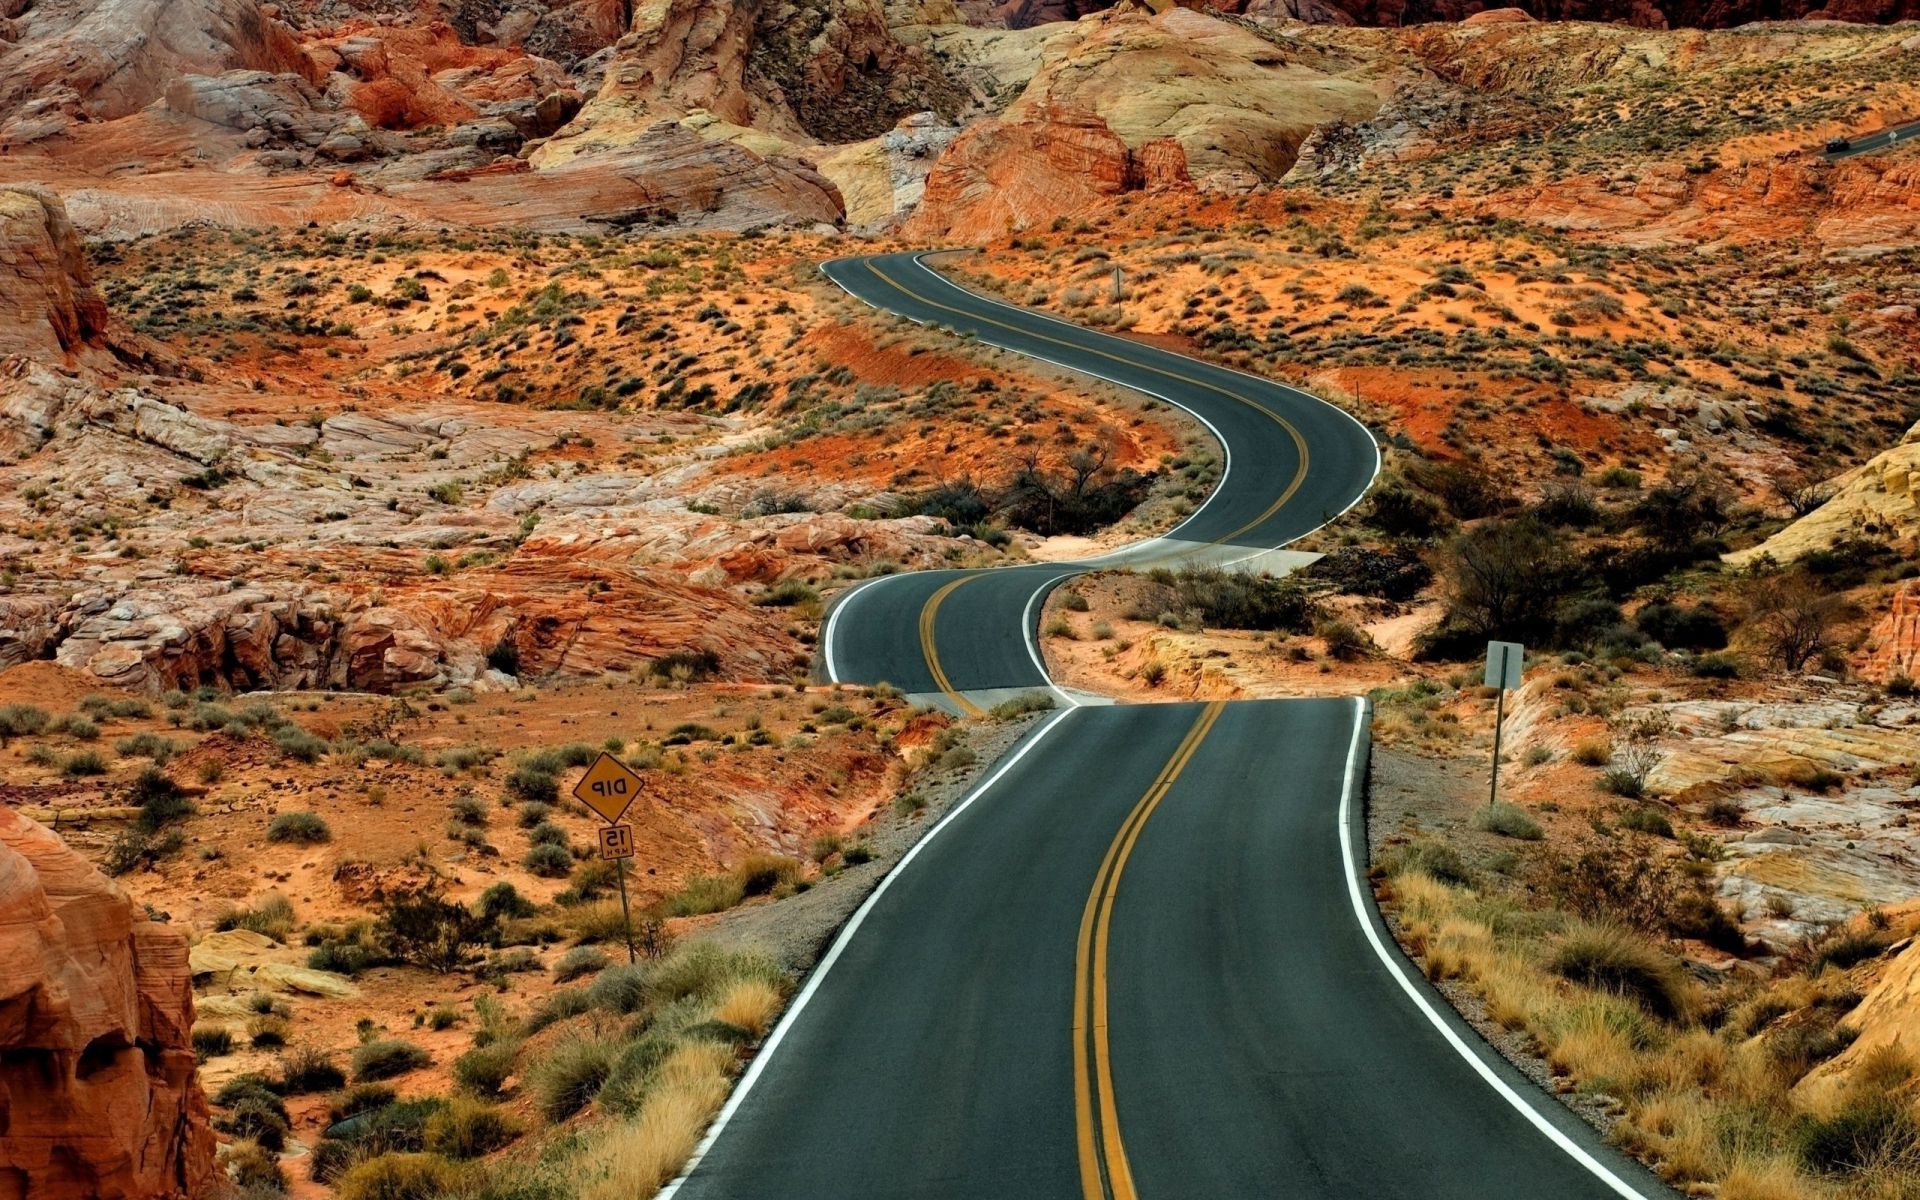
{"points": [[840, 943], [1397, 966]]}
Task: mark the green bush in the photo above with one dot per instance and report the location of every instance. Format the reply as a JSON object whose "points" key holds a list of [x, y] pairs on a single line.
{"points": [[619, 989], [255, 1169], [83, 763], [212, 1041], [21, 720], [1647, 820], [468, 1128], [361, 1097], [299, 745], [398, 1176], [484, 1070], [502, 900], [308, 1069], [303, 828], [581, 960], [1507, 820], [529, 782], [147, 745], [1877, 1134], [548, 861], [385, 1058], [568, 1077]]}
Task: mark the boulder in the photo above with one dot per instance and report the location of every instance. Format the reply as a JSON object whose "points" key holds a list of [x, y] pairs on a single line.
{"points": [[1015, 173], [101, 1096]]}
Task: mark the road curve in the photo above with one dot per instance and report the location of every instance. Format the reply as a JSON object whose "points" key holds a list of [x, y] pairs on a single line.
{"points": [[1140, 958], [1884, 139]]}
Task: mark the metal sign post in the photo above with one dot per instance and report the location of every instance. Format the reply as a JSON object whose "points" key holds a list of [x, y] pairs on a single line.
{"points": [[607, 788], [1503, 672]]}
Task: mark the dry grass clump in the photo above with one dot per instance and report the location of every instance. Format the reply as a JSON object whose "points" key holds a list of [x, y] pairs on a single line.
{"points": [[1707, 1090], [636, 1157], [749, 1004]]}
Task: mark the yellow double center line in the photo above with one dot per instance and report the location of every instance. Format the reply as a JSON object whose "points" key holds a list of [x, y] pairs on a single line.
{"points": [[927, 613], [1299, 442], [1104, 1173]]}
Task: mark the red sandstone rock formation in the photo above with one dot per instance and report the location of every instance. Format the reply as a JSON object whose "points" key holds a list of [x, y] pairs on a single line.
{"points": [[98, 1097], [1014, 174], [1651, 14], [1893, 648]]}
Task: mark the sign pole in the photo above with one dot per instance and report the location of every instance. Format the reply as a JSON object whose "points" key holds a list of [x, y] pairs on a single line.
{"points": [[608, 788], [1503, 673], [1499, 715], [626, 915]]}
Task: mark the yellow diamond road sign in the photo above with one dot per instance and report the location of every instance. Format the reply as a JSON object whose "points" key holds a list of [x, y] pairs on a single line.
{"points": [[607, 787]]}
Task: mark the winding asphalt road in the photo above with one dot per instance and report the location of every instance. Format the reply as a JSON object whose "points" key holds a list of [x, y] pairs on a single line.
{"points": [[1885, 139], [1140, 958]]}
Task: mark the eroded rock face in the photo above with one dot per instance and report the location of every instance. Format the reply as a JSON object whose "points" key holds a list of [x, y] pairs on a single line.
{"points": [[97, 1076], [100, 59], [49, 307], [1649, 14]]}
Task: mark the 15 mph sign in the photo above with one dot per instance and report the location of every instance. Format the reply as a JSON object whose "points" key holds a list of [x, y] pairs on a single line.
{"points": [[607, 787]]}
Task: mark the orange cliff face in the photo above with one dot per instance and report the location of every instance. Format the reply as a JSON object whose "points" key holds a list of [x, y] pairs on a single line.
{"points": [[96, 1070]]}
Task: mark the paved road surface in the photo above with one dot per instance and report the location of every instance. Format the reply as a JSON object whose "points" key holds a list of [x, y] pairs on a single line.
{"points": [[1867, 143], [1139, 959]]}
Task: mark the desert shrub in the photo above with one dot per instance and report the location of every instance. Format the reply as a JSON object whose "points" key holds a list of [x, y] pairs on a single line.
{"points": [[299, 745], [1404, 512], [1616, 959], [349, 954], [1877, 1134], [309, 1069], [21, 720], [1431, 858], [431, 931], [303, 828], [398, 1176], [267, 1032], [1715, 666], [1593, 753], [1508, 820], [1345, 641], [530, 782], [484, 1070], [619, 989], [706, 970], [259, 1116], [502, 900], [83, 763], [270, 916], [1644, 893], [1468, 490], [1679, 628], [1846, 948], [468, 1128], [581, 960], [159, 799], [568, 1077], [385, 1058], [1021, 705], [533, 813], [255, 1169], [548, 861], [147, 745], [1647, 820], [1222, 599], [360, 1098], [468, 810], [77, 727], [567, 1002], [1506, 579], [546, 833], [761, 874], [211, 1041], [702, 894]]}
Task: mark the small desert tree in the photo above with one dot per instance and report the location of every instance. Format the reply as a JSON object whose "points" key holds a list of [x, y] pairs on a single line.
{"points": [[431, 931], [1789, 618]]}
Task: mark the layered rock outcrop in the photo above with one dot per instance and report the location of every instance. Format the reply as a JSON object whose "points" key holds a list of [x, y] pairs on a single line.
{"points": [[1015, 173], [73, 60], [97, 1082], [1649, 14], [1880, 498], [49, 307]]}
